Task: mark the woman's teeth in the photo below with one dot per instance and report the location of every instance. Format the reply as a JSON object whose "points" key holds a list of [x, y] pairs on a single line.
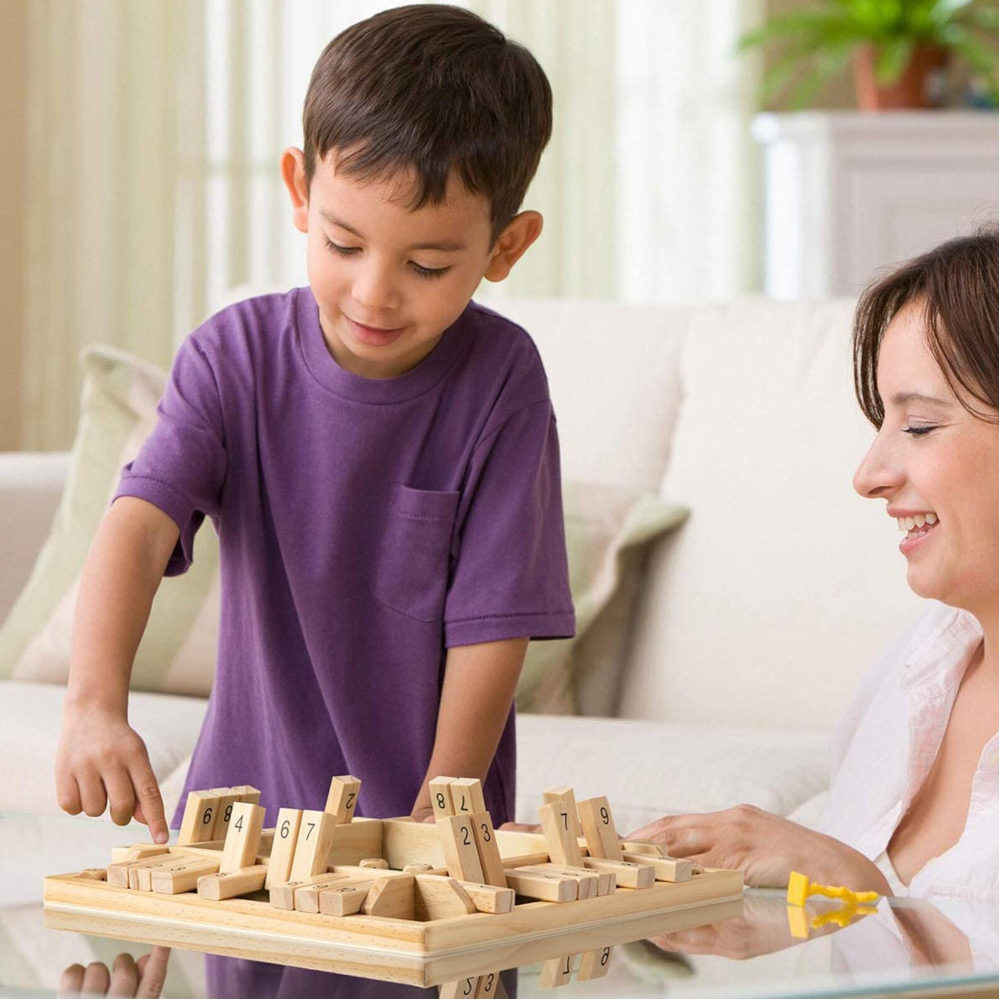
{"points": [[918, 524]]}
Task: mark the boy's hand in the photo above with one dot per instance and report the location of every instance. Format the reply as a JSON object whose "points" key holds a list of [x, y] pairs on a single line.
{"points": [[101, 759]]}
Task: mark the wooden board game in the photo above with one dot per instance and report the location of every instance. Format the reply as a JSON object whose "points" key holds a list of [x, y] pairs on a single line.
{"points": [[395, 899]]}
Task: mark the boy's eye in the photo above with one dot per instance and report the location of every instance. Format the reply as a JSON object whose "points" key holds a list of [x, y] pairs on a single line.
{"points": [[918, 431], [428, 272], [418, 269], [337, 248]]}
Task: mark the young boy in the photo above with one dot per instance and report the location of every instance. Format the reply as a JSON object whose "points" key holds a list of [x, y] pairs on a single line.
{"points": [[377, 453]]}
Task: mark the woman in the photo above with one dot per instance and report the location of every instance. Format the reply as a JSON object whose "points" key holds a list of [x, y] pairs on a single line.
{"points": [[913, 800]]}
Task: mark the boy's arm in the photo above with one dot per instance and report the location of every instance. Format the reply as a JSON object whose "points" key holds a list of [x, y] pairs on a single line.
{"points": [[101, 758], [478, 690]]}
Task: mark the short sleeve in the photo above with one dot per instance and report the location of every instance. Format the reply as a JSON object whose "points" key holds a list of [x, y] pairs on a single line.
{"points": [[182, 465], [509, 573]]}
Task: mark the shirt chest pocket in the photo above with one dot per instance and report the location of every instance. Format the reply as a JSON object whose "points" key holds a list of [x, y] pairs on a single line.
{"points": [[411, 571]]}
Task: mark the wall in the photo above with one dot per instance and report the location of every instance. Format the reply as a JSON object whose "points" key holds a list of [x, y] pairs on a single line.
{"points": [[13, 17]]}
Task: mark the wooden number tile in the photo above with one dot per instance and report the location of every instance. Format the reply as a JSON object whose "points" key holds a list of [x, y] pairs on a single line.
{"points": [[343, 900], [94, 874], [440, 791], [489, 852], [440, 896], [644, 847], [490, 898], [228, 797], [587, 882], [599, 829], [199, 818], [312, 848], [243, 837], [247, 793], [306, 897], [463, 988], [467, 795], [487, 986], [343, 797], [556, 972], [391, 897], [282, 894], [286, 832], [664, 869], [118, 873], [139, 852], [228, 885], [564, 795], [173, 881], [144, 874], [458, 842], [629, 874], [373, 863], [594, 964], [536, 885], [560, 838]]}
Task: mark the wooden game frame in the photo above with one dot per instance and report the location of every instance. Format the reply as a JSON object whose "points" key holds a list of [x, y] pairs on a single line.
{"points": [[420, 952]]}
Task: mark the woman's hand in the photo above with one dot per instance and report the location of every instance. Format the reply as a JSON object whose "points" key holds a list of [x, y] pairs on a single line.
{"points": [[765, 847], [127, 977]]}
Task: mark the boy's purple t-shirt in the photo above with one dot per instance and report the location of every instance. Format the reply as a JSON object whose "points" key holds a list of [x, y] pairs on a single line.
{"points": [[365, 526]]}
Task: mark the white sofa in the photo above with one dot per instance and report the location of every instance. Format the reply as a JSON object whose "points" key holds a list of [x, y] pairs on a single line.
{"points": [[755, 619]]}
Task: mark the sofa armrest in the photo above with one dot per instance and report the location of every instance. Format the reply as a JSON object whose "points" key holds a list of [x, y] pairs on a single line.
{"points": [[31, 485], [652, 769]]}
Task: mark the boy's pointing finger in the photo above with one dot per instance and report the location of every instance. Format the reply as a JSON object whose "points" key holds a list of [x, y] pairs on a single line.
{"points": [[150, 804]]}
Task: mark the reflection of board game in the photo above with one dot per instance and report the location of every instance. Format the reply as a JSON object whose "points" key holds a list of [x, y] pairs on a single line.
{"points": [[326, 890]]}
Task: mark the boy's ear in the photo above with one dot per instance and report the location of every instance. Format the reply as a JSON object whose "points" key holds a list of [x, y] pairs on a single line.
{"points": [[293, 173], [520, 233]]}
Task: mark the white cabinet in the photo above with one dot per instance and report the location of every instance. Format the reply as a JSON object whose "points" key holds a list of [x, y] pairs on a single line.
{"points": [[847, 193]]}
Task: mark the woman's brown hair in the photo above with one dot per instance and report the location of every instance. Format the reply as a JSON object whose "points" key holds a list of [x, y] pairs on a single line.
{"points": [[957, 284]]}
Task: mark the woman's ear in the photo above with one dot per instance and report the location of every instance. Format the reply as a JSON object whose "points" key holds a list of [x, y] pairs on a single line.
{"points": [[293, 173], [519, 234]]}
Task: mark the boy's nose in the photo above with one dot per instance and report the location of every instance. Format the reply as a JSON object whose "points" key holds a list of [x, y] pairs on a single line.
{"points": [[374, 290], [879, 474]]}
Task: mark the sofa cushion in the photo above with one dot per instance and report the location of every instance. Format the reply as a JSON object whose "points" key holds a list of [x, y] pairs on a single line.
{"points": [[608, 531], [768, 605], [652, 769], [178, 648]]}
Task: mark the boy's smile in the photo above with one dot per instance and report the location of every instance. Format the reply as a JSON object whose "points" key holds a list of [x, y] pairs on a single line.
{"points": [[389, 279]]}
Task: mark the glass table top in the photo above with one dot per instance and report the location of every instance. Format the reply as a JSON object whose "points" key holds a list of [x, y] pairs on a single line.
{"points": [[759, 947]]}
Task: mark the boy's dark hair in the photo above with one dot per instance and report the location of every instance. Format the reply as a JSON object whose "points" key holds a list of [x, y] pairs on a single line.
{"points": [[957, 284], [434, 88]]}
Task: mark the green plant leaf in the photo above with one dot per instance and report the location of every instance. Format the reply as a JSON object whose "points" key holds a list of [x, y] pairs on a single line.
{"points": [[891, 60]]}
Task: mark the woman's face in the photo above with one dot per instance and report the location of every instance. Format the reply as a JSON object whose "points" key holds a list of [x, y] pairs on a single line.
{"points": [[936, 466]]}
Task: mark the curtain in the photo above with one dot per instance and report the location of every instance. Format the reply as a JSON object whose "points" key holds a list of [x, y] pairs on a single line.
{"points": [[156, 128]]}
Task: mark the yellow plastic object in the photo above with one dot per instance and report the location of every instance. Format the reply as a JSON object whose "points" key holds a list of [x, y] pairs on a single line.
{"points": [[798, 922], [843, 915], [799, 888]]}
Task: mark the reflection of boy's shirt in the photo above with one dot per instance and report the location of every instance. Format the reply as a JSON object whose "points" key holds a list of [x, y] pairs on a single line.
{"points": [[887, 742], [365, 526]]}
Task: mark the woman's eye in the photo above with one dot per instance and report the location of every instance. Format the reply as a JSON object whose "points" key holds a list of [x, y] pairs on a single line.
{"points": [[428, 272], [919, 431], [337, 248]]}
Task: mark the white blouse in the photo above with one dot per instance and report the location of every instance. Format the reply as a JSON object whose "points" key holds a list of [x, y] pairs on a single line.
{"points": [[886, 743]]}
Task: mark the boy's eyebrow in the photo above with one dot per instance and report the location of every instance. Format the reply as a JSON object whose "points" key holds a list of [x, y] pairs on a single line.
{"points": [[902, 398], [448, 246]]}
